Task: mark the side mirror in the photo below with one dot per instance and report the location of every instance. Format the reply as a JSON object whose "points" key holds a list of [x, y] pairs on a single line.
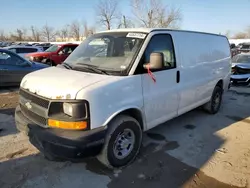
{"points": [[156, 61]]}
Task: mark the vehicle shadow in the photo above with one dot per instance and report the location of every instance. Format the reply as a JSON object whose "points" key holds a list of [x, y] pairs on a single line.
{"points": [[171, 156], [8, 89], [7, 123]]}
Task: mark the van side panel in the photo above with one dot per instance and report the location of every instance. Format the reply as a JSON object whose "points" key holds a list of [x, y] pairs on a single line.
{"points": [[204, 60]]}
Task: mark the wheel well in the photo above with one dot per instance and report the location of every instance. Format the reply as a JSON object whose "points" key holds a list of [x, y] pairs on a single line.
{"points": [[220, 84], [135, 113]]}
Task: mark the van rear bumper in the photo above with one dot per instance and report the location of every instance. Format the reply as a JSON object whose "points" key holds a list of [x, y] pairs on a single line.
{"points": [[64, 144]]}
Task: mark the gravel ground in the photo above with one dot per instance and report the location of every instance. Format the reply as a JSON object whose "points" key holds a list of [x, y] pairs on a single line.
{"points": [[8, 98], [194, 150]]}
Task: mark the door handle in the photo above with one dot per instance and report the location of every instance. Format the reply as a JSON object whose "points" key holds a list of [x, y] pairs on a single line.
{"points": [[178, 76]]}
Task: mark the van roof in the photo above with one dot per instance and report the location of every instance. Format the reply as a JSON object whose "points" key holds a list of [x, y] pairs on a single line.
{"points": [[149, 30]]}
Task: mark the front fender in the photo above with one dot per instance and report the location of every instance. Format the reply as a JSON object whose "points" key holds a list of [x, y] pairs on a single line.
{"points": [[110, 118]]}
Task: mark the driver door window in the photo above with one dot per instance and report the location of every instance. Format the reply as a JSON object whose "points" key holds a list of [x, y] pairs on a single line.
{"points": [[161, 43]]}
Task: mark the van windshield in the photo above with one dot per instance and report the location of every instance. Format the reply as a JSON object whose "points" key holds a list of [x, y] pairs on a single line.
{"points": [[107, 51]]}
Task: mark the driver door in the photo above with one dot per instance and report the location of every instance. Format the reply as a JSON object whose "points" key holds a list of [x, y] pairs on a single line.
{"points": [[161, 98]]}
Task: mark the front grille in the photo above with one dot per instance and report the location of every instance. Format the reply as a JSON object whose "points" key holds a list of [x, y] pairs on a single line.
{"points": [[33, 116], [34, 99]]}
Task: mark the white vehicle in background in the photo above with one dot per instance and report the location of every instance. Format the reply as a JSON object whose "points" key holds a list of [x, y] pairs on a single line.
{"points": [[23, 50], [116, 85]]}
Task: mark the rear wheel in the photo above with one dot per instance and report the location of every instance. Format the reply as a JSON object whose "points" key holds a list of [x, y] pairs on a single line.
{"points": [[213, 106], [122, 142]]}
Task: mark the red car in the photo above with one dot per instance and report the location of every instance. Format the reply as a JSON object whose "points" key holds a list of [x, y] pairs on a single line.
{"points": [[54, 55]]}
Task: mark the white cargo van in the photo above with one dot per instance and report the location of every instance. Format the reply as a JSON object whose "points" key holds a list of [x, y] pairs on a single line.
{"points": [[116, 85]]}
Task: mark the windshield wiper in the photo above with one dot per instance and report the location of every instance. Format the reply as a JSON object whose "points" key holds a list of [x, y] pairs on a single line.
{"points": [[66, 65], [92, 68]]}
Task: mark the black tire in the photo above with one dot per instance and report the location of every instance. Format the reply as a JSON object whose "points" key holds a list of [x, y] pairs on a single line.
{"points": [[235, 82], [50, 62], [213, 106], [120, 124], [51, 157]]}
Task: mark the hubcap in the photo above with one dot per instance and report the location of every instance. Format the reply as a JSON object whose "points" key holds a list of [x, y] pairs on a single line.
{"points": [[124, 144]]}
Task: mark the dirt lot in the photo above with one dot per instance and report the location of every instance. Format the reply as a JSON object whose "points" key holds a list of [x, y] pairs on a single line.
{"points": [[194, 150]]}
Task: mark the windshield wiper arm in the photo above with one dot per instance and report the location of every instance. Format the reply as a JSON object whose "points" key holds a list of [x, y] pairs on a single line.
{"points": [[66, 65], [92, 68]]}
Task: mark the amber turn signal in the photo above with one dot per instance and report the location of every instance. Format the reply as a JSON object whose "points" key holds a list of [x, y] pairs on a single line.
{"points": [[67, 125]]}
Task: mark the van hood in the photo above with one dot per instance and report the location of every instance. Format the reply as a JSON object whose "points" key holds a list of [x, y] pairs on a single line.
{"points": [[59, 83]]}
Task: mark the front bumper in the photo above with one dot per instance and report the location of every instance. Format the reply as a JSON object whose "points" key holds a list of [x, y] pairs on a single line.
{"points": [[241, 78], [65, 144]]}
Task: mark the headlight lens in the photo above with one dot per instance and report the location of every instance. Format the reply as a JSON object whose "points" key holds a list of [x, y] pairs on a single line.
{"points": [[76, 110], [68, 109]]}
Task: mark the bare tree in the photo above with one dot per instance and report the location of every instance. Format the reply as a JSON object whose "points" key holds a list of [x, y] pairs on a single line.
{"points": [[126, 23], [20, 34], [88, 31], [248, 32], [228, 33], [75, 30], [48, 33], [36, 34], [243, 34], [240, 35], [64, 33], [92, 30], [107, 12], [2, 35], [154, 13]]}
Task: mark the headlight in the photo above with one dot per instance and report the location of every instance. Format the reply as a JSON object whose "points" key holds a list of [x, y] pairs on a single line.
{"points": [[69, 115], [76, 110]]}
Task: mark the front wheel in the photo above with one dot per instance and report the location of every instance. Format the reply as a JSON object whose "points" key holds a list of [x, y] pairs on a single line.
{"points": [[122, 142]]}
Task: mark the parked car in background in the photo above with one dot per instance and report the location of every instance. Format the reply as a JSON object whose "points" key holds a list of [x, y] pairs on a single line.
{"points": [[13, 68], [5, 44], [244, 47], [54, 55], [23, 50], [234, 50], [241, 59], [241, 69], [45, 46]]}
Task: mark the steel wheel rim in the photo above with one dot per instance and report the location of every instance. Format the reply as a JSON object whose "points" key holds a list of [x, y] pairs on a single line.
{"points": [[216, 101], [124, 144]]}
